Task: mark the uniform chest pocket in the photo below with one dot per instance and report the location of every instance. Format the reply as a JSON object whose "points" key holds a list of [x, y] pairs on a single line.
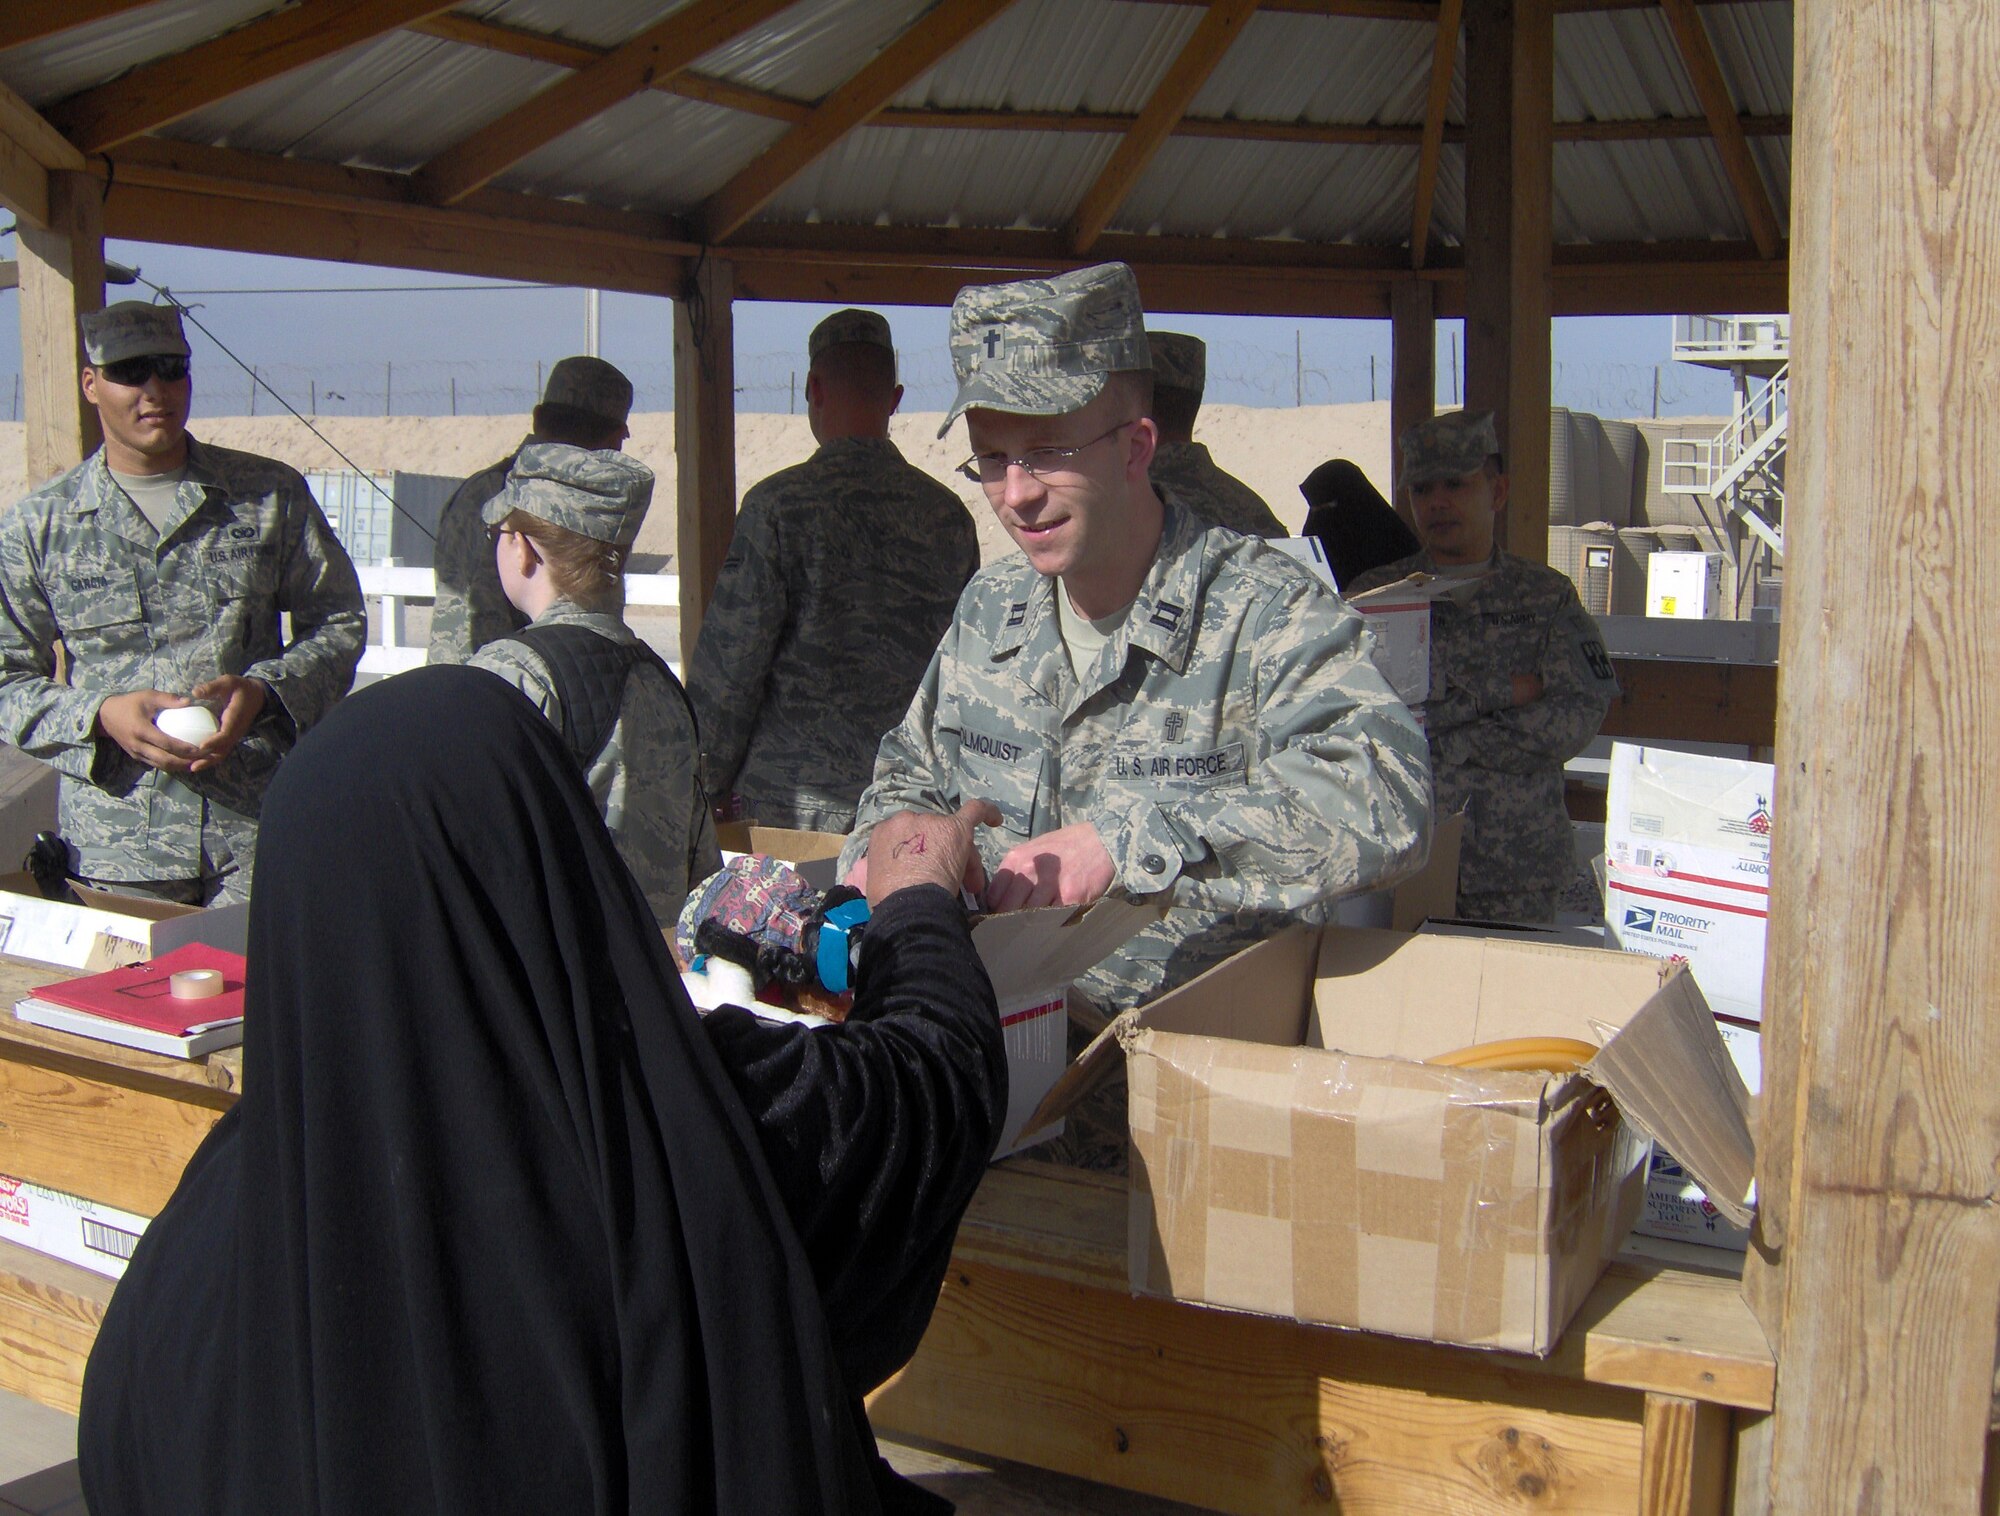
{"points": [[1008, 771], [98, 608]]}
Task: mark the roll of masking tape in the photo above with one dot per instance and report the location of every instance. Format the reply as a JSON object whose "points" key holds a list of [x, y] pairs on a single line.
{"points": [[195, 984]]}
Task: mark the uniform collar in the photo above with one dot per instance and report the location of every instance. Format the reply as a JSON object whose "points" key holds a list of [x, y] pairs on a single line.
{"points": [[860, 445], [98, 492], [604, 623]]}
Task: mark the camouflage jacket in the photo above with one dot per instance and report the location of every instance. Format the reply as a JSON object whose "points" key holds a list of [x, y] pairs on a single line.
{"points": [[139, 609], [1500, 763], [644, 778], [839, 581], [471, 608], [1234, 747], [1217, 498]]}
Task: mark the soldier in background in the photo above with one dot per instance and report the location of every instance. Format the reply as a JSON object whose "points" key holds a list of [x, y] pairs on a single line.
{"points": [[162, 565], [839, 581], [560, 529], [1176, 714], [1519, 677], [584, 404], [1181, 464]]}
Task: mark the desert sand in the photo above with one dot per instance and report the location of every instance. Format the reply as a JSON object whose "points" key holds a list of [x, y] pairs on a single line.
{"points": [[1270, 448]]}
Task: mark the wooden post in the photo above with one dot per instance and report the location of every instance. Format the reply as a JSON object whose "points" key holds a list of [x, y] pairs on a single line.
{"points": [[1880, 1238], [1413, 375], [704, 435], [62, 277], [1509, 243]]}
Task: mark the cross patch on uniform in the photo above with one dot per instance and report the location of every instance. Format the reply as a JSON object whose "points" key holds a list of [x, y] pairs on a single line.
{"points": [[993, 340], [1176, 723], [1017, 613], [1167, 614]]}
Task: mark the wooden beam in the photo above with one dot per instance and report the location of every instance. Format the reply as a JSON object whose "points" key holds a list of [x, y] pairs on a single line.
{"points": [[1663, 699], [1219, 28], [157, 93], [1509, 295], [62, 278], [912, 54], [24, 21], [1881, 1107], [704, 435], [660, 51], [24, 183], [1698, 53], [29, 149], [1444, 55], [1412, 371]]}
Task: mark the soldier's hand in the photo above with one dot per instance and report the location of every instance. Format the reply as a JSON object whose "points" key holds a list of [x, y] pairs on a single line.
{"points": [[1527, 689], [1068, 866], [922, 847], [243, 702], [127, 720]]}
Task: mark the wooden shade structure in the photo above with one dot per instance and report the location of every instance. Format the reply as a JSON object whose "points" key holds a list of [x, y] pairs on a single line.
{"points": [[1295, 157]]}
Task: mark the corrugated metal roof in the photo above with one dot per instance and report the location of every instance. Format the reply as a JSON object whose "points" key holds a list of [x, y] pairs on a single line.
{"points": [[401, 99]]}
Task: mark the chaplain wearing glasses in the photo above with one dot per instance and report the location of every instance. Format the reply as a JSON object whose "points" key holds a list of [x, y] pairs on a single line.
{"points": [[163, 566], [1159, 709]]}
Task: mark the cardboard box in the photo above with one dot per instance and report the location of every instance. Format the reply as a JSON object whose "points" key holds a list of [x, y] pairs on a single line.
{"points": [[1429, 894], [97, 930], [1684, 586], [1678, 1210], [27, 804], [1031, 956], [83, 1232], [1400, 616], [1687, 853], [1291, 1156]]}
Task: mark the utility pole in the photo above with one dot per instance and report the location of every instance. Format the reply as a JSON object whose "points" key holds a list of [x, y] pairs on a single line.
{"points": [[591, 310]]}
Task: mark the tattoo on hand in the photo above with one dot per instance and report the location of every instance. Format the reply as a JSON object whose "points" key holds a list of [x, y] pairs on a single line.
{"points": [[916, 844]]}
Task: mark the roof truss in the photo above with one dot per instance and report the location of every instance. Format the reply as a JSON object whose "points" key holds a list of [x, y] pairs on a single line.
{"points": [[1698, 53], [25, 21]]}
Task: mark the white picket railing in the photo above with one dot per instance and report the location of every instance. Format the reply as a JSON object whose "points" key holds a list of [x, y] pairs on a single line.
{"points": [[394, 585]]}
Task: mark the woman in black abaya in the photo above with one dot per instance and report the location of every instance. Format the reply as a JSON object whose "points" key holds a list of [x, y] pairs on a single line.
{"points": [[498, 1225]]}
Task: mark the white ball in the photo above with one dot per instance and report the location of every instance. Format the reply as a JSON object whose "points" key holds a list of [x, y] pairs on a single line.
{"points": [[187, 723]]}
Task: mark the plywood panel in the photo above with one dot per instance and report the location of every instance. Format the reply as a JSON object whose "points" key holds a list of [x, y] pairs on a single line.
{"points": [[49, 1315]]}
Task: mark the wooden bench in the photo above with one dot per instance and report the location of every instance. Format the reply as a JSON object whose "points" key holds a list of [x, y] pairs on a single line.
{"points": [[1039, 1353]]}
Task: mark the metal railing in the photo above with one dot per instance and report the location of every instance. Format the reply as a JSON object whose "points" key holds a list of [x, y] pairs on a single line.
{"points": [[1751, 446], [1709, 338]]}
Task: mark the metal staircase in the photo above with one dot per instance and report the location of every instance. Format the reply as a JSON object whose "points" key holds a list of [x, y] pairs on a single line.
{"points": [[1742, 467]]}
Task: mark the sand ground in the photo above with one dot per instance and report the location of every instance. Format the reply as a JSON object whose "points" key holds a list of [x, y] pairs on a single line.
{"points": [[1269, 448]]}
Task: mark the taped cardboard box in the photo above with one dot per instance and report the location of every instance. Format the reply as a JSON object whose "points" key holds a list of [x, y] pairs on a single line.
{"points": [[84, 1232], [1292, 1156], [95, 930]]}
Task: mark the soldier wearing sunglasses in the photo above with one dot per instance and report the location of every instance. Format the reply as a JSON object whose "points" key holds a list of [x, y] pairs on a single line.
{"points": [[162, 566]]}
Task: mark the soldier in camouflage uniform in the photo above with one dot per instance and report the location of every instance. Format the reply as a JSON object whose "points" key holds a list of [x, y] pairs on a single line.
{"points": [[839, 581], [1177, 713], [1519, 677], [585, 404], [1181, 464], [560, 529], [162, 566]]}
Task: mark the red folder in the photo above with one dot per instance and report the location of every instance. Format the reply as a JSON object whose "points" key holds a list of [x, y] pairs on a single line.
{"points": [[138, 994]]}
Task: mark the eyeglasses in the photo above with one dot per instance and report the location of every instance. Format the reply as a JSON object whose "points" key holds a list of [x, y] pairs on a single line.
{"points": [[1039, 462], [171, 367], [495, 533]]}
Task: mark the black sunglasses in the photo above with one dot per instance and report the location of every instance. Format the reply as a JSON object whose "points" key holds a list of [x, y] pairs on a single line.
{"points": [[171, 367]]}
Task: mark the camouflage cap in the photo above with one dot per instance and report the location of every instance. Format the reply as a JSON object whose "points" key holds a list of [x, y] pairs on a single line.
{"points": [[849, 326], [1042, 347], [1180, 362], [131, 329], [600, 495], [589, 385], [1448, 446]]}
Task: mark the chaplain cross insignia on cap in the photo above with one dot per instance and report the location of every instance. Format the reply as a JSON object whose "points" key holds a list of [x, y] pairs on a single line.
{"points": [[992, 342]]}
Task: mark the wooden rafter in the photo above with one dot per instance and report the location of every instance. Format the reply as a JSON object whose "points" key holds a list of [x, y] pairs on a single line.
{"points": [[855, 102], [658, 52], [1220, 27], [29, 150], [540, 47], [1698, 53], [24, 21], [157, 93], [1444, 56]]}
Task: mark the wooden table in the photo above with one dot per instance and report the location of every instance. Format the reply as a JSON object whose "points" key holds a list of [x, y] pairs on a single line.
{"points": [[1038, 1352]]}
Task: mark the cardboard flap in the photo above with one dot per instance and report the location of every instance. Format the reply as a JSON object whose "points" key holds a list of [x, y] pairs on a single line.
{"points": [[1080, 1078], [1025, 951], [1675, 1081]]}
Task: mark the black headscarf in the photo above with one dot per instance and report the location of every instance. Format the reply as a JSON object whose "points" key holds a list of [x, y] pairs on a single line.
{"points": [[1357, 527], [491, 1229]]}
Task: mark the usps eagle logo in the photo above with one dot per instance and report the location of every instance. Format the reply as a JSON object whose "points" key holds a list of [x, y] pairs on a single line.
{"points": [[1759, 820]]}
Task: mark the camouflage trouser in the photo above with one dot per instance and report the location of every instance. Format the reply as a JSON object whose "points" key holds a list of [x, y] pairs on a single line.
{"points": [[223, 880], [1529, 907]]}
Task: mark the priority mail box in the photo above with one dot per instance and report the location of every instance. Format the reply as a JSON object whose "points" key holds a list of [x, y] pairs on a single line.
{"points": [[84, 1232], [1293, 1154], [95, 930], [1687, 860], [1400, 616]]}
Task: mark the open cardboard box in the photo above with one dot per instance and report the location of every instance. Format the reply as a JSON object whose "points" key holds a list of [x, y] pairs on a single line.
{"points": [[98, 929], [1291, 1154]]}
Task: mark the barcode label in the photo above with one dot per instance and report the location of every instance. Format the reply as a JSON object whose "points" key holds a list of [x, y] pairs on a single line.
{"points": [[1643, 857], [114, 1242]]}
